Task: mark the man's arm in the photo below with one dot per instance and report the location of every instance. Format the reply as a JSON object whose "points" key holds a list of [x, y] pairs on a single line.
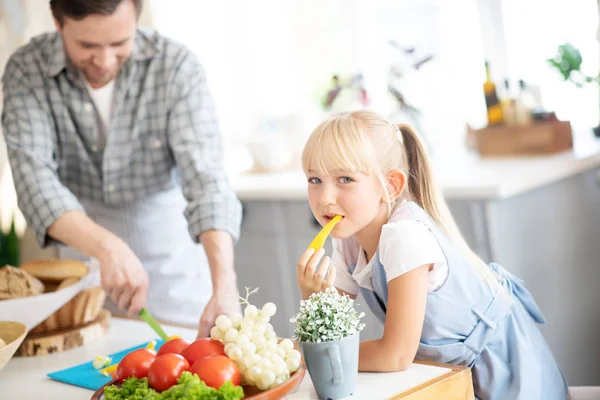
{"points": [[218, 246], [213, 211], [196, 143], [219, 251], [31, 148]]}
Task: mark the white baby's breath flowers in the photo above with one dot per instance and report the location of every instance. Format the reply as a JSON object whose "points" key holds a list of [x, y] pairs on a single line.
{"points": [[326, 316]]}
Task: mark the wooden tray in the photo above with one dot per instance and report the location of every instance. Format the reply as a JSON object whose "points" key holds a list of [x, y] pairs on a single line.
{"points": [[535, 139], [65, 339], [250, 392]]}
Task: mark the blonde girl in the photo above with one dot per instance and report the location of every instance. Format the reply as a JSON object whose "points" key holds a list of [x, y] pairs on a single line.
{"points": [[398, 246]]}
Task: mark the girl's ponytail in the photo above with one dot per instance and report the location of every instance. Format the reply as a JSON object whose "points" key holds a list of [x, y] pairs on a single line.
{"points": [[421, 186], [423, 191]]}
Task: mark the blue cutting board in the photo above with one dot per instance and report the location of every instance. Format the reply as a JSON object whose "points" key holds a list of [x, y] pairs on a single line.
{"points": [[85, 376]]}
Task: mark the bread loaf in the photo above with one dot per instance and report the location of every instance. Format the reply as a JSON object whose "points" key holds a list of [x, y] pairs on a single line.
{"points": [[15, 283], [50, 286], [55, 270]]}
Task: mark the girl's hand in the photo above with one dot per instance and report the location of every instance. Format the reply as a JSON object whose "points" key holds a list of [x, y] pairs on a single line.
{"points": [[313, 278]]}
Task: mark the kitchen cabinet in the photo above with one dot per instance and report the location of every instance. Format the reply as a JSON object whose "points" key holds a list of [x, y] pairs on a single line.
{"points": [[549, 238]]}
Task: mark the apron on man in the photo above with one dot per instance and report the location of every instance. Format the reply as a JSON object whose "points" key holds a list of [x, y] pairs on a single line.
{"points": [[156, 231]]}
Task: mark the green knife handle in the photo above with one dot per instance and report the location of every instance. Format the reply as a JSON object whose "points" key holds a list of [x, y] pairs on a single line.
{"points": [[146, 316]]}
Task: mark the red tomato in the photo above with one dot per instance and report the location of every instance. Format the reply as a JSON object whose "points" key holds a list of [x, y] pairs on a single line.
{"points": [[203, 348], [173, 346], [165, 370], [215, 371], [135, 364]]}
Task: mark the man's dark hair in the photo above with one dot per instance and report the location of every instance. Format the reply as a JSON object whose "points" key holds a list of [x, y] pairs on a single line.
{"points": [[79, 9]]}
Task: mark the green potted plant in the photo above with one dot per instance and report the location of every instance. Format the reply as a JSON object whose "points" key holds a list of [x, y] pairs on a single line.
{"points": [[327, 328], [567, 61], [10, 247]]}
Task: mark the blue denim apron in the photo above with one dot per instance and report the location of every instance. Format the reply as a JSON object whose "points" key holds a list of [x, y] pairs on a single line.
{"points": [[467, 324]]}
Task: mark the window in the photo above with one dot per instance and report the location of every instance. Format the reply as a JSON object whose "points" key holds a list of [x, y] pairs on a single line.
{"points": [[533, 30]]}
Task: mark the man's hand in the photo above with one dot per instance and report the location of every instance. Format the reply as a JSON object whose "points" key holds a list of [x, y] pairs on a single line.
{"points": [[123, 277], [122, 274], [220, 303]]}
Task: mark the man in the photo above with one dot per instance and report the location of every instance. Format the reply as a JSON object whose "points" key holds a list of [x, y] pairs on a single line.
{"points": [[105, 123]]}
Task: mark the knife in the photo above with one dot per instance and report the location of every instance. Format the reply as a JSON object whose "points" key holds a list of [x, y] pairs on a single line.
{"points": [[146, 316]]}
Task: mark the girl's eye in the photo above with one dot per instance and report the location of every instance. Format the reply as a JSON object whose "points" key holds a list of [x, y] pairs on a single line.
{"points": [[314, 180], [345, 179]]}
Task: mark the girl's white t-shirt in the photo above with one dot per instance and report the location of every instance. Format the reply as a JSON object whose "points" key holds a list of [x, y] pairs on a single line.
{"points": [[404, 244]]}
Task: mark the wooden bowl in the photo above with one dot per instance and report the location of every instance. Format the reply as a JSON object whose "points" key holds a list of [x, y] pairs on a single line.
{"points": [[250, 392], [13, 334], [80, 310]]}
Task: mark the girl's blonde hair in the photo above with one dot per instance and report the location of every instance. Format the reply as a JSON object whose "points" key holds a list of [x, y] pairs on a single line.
{"points": [[363, 141]]}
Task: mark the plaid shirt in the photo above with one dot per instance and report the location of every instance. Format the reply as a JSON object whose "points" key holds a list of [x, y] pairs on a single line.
{"points": [[163, 133]]}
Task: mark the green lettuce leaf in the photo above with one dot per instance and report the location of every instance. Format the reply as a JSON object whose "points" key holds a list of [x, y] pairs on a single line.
{"points": [[189, 387]]}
